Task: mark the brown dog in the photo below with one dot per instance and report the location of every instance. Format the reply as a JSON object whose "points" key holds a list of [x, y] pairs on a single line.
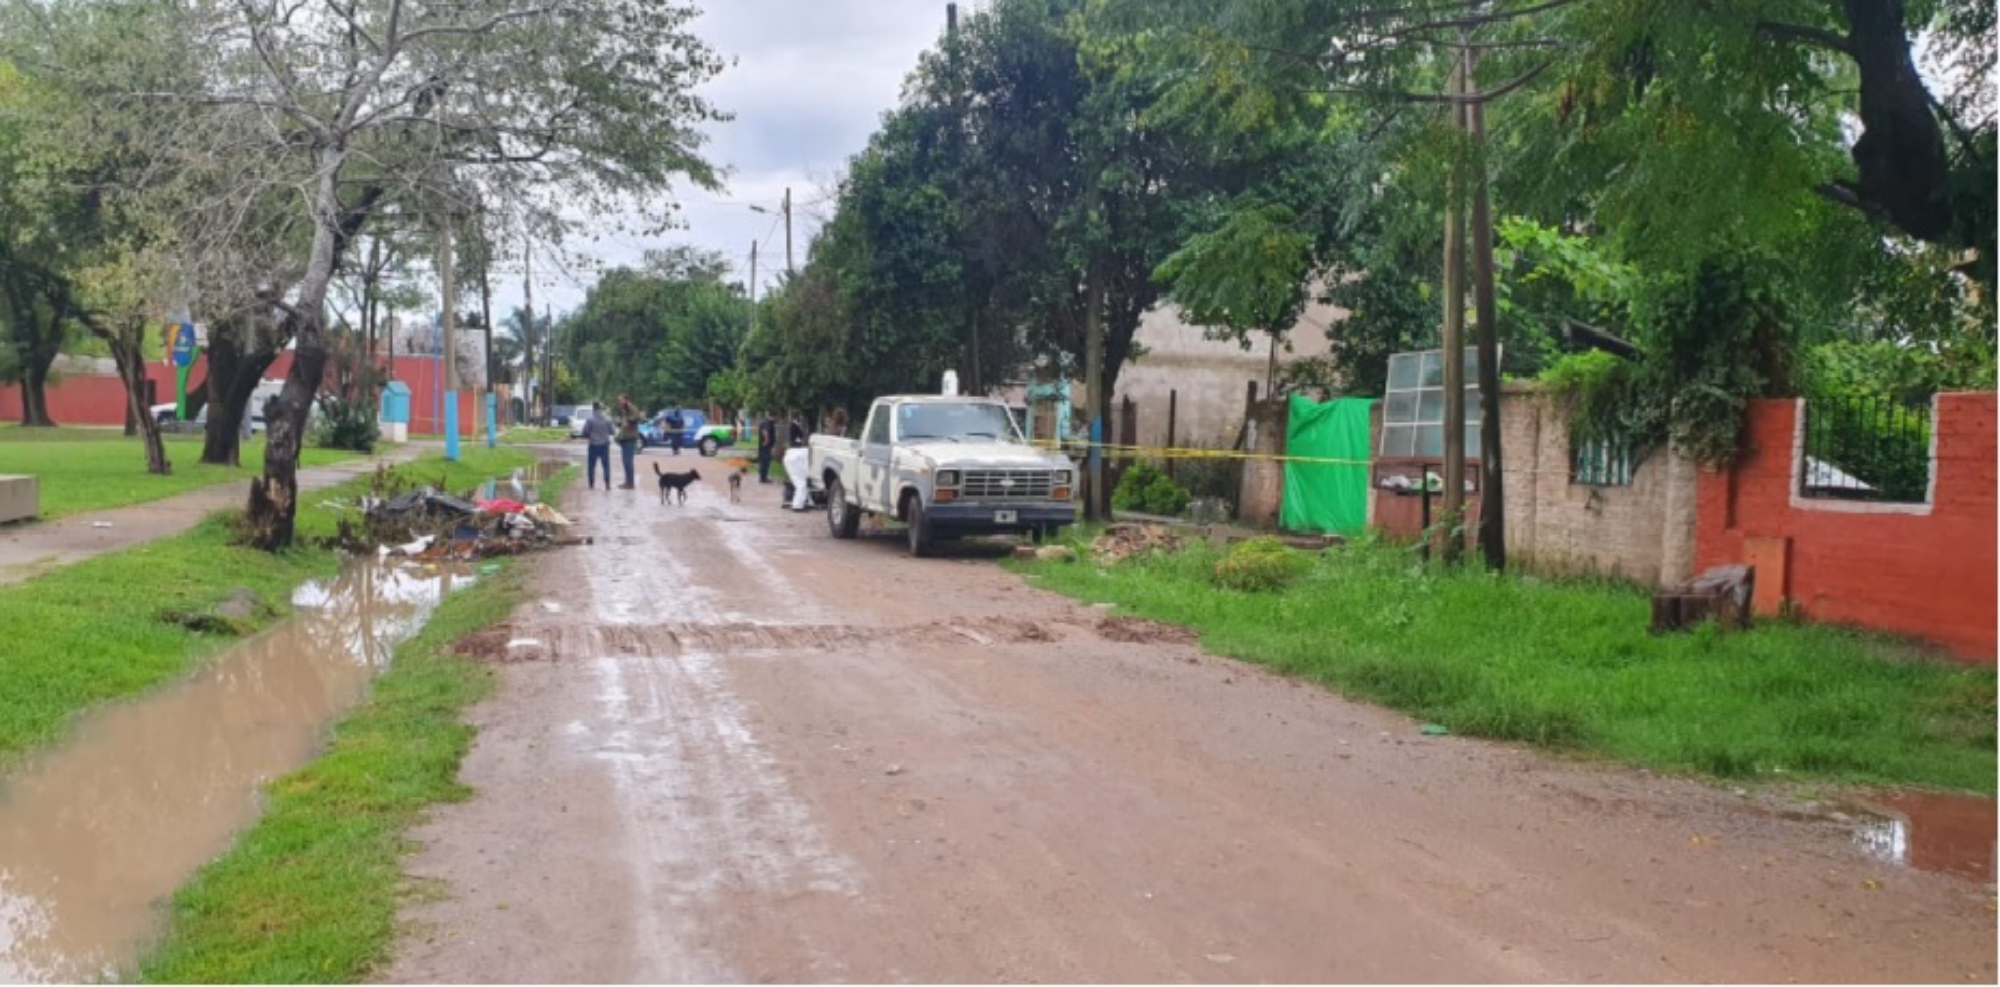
{"points": [[736, 488], [674, 483]]}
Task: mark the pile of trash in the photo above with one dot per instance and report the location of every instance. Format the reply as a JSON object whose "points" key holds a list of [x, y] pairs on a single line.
{"points": [[432, 525], [1122, 541]]}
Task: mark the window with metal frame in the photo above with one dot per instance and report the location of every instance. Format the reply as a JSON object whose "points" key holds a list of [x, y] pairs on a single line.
{"points": [[1601, 462], [1868, 448], [1413, 405]]}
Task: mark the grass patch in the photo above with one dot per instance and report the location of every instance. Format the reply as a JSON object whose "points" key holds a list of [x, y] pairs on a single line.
{"points": [[521, 434], [90, 469], [309, 894], [1570, 665], [91, 632]]}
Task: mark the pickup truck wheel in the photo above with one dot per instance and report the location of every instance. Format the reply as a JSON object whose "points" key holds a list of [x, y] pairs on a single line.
{"points": [[842, 518], [922, 542], [708, 445]]}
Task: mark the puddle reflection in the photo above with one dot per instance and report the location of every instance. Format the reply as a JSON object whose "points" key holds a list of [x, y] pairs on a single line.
{"points": [[95, 835], [1954, 834]]}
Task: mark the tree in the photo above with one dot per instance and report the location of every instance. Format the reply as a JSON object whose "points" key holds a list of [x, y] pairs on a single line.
{"points": [[352, 108]]}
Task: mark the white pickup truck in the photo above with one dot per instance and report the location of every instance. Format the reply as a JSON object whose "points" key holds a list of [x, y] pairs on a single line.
{"points": [[944, 466]]}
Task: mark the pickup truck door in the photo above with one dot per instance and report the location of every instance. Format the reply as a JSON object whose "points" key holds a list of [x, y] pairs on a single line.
{"points": [[877, 455]]}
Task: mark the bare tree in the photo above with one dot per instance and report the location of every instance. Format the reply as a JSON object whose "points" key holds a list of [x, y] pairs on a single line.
{"points": [[303, 123]]}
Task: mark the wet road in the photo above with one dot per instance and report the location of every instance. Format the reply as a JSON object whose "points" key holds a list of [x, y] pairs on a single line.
{"points": [[729, 748]]}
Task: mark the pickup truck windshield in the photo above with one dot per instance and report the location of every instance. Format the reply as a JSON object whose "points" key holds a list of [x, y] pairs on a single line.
{"points": [[955, 423]]}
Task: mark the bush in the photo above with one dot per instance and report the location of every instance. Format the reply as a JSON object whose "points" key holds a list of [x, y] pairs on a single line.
{"points": [[1147, 490], [345, 425], [1259, 564]]}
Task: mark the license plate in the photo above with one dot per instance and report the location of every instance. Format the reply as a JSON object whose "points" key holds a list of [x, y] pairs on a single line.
{"points": [[1005, 517]]}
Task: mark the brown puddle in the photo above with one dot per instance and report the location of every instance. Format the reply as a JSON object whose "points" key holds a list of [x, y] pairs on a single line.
{"points": [[531, 479], [1954, 834], [96, 835]]}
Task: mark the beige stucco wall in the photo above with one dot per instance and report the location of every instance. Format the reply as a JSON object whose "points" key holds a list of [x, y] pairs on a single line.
{"points": [[1208, 375]]}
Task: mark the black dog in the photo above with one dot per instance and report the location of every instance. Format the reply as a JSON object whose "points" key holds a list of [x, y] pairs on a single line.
{"points": [[675, 482]]}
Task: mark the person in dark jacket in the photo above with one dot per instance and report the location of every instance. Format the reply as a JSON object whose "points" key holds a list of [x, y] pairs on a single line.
{"points": [[675, 424], [767, 444], [795, 434], [597, 430]]}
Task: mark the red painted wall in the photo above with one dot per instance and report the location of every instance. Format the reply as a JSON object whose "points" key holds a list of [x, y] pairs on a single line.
{"points": [[1930, 575], [100, 400]]}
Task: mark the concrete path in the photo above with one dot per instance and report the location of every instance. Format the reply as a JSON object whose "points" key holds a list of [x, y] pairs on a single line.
{"points": [[33, 548]]}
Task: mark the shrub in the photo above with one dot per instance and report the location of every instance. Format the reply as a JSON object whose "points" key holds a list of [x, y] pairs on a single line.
{"points": [[1146, 489], [345, 425], [1259, 564]]}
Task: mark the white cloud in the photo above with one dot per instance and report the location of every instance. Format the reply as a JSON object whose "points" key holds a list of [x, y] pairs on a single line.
{"points": [[809, 84]]}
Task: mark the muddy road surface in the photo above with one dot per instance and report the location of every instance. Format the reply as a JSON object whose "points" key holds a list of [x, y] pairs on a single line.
{"points": [[726, 747]]}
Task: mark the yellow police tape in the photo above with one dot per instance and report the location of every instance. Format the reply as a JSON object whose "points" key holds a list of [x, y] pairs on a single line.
{"points": [[1115, 451]]}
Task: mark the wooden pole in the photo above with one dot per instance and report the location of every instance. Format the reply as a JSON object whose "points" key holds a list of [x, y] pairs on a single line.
{"points": [[1492, 506], [1454, 330]]}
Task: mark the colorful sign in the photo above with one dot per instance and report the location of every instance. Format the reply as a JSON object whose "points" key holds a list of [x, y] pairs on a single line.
{"points": [[183, 354]]}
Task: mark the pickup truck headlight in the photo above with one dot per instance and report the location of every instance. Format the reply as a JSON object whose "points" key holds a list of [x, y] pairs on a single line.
{"points": [[947, 478], [1062, 478]]}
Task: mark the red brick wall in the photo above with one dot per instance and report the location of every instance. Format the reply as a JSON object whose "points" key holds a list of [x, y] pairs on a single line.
{"points": [[90, 399], [1921, 570]]}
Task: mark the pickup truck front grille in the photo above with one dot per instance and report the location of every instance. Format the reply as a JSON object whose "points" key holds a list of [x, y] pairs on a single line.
{"points": [[1005, 484]]}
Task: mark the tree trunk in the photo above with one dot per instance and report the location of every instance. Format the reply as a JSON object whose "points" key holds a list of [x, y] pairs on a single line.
{"points": [[273, 509], [35, 394], [234, 371], [131, 360]]}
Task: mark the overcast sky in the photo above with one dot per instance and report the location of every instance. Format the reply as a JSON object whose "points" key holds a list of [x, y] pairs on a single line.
{"points": [[810, 82]]}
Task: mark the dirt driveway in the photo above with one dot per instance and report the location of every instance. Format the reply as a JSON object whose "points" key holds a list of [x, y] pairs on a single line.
{"points": [[728, 748]]}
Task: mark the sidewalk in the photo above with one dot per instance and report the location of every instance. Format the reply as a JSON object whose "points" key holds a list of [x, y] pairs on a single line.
{"points": [[31, 549]]}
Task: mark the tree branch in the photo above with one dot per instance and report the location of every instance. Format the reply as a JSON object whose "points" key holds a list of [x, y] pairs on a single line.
{"points": [[1446, 98], [1819, 37]]}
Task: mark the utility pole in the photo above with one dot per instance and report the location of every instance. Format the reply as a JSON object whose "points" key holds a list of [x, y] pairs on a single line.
{"points": [[548, 357], [753, 286], [1492, 505], [788, 232], [531, 368], [1093, 390], [1454, 330], [450, 354], [486, 320]]}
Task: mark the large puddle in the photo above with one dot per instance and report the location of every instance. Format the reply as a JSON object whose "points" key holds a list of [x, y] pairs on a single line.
{"points": [[1954, 834], [96, 835]]}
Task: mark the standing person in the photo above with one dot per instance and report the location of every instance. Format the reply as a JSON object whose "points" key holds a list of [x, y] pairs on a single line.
{"points": [[767, 443], [675, 423], [795, 434], [628, 447], [597, 431]]}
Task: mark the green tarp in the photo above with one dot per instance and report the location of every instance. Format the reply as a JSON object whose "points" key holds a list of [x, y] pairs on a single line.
{"points": [[1327, 496]]}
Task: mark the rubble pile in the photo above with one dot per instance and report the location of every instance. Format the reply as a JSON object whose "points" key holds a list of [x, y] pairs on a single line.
{"points": [[1122, 541], [434, 526]]}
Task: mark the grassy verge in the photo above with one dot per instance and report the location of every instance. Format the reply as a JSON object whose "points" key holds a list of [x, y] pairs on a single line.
{"points": [[93, 632], [522, 434], [90, 469], [309, 894], [1570, 665]]}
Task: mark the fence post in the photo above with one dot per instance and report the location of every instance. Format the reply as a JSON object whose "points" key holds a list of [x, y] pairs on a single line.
{"points": [[1173, 399]]}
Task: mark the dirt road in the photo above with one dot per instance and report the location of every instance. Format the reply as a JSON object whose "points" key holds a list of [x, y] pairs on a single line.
{"points": [[729, 748]]}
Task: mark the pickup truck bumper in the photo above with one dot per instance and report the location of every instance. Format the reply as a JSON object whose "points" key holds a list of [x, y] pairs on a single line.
{"points": [[972, 519]]}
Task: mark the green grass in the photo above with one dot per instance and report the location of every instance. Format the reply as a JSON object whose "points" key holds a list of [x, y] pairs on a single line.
{"points": [[521, 434], [90, 469], [93, 632], [1570, 665], [309, 894]]}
